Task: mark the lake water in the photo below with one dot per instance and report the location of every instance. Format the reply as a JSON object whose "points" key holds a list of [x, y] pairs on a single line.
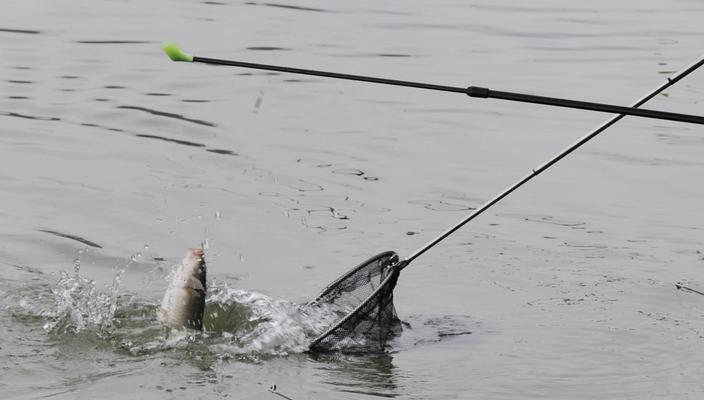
{"points": [[115, 160]]}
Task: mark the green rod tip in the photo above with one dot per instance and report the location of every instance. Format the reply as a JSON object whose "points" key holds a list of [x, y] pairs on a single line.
{"points": [[174, 53]]}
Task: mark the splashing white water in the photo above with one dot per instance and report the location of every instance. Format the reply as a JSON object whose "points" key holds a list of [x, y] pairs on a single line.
{"points": [[80, 305], [279, 327], [237, 322]]}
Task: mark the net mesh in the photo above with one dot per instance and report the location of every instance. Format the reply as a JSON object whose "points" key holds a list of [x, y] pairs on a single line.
{"points": [[363, 297]]}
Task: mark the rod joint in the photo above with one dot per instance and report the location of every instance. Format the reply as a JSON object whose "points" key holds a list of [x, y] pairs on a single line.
{"points": [[476, 91]]}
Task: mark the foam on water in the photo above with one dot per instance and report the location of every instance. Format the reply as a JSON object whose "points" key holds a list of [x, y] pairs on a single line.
{"points": [[277, 326]]}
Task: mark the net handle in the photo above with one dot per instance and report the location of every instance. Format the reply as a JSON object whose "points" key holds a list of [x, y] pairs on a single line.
{"points": [[536, 171]]}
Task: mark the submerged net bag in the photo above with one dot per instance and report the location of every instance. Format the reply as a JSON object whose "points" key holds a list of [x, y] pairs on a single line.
{"points": [[364, 299]]}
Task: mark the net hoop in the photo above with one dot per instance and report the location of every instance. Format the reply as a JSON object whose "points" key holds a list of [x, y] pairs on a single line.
{"points": [[390, 254], [391, 278]]}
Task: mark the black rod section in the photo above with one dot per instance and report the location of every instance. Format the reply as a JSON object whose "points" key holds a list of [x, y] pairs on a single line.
{"points": [[584, 105], [327, 74], [472, 91], [536, 171]]}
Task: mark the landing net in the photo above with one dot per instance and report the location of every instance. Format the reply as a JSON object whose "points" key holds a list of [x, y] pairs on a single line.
{"points": [[364, 297]]}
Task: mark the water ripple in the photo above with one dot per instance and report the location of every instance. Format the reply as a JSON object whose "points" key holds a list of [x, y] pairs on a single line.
{"points": [[288, 6], [222, 151], [440, 205], [72, 237], [178, 141], [168, 115], [21, 31], [267, 48], [25, 116], [113, 42]]}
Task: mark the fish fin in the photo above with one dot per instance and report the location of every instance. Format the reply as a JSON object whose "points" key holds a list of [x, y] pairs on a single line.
{"points": [[195, 284]]}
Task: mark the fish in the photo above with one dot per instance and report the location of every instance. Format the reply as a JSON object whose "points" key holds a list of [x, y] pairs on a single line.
{"points": [[183, 304]]}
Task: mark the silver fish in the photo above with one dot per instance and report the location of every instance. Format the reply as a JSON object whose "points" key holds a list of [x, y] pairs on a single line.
{"points": [[184, 301]]}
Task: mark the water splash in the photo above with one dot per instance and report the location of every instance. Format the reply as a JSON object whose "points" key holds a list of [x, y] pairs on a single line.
{"points": [[80, 305], [271, 326], [238, 324]]}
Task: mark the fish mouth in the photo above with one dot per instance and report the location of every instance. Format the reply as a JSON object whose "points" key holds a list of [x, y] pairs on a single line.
{"points": [[195, 253]]}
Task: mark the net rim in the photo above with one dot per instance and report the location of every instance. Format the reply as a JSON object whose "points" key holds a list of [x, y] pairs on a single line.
{"points": [[353, 270], [392, 275]]}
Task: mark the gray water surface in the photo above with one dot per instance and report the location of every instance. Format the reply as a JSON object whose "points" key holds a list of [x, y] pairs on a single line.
{"points": [[114, 160]]}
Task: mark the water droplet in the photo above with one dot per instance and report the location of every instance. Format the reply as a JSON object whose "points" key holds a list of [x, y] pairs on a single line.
{"points": [[218, 215], [205, 245], [146, 247], [241, 257]]}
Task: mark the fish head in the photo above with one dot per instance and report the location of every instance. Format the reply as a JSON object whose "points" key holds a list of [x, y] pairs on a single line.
{"points": [[193, 266]]}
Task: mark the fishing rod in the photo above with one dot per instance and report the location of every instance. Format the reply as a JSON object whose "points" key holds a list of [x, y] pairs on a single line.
{"points": [[175, 54], [386, 266], [536, 171], [369, 286], [680, 286], [272, 389]]}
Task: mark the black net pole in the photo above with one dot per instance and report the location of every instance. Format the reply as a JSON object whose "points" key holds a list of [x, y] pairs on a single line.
{"points": [[669, 82]]}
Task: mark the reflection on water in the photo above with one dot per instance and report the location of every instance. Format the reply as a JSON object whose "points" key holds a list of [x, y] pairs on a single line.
{"points": [[168, 115], [26, 116], [72, 237], [177, 141], [22, 31], [373, 374], [287, 6]]}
